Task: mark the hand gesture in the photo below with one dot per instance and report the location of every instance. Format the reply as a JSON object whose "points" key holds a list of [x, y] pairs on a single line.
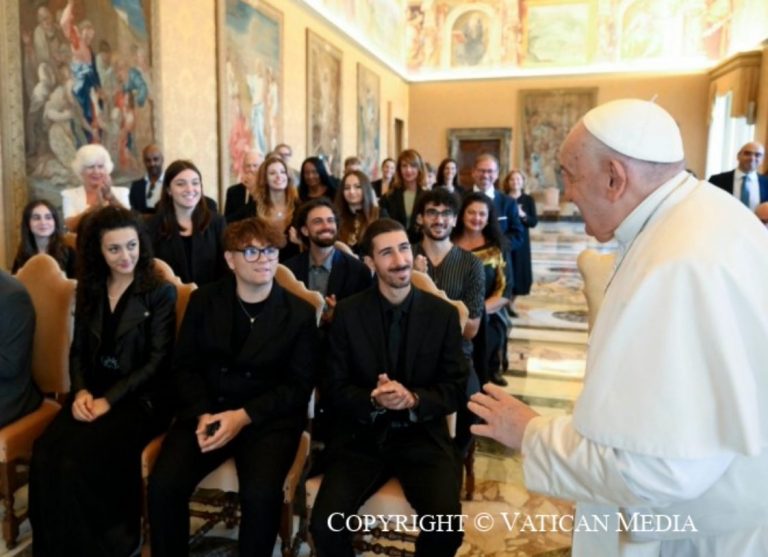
{"points": [[81, 407], [420, 263], [230, 424], [330, 305], [505, 417], [392, 395]]}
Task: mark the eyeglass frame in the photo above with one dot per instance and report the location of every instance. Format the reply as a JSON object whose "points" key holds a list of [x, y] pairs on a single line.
{"points": [[254, 257], [433, 213]]}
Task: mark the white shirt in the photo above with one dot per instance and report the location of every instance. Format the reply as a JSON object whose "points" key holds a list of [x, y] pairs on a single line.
{"points": [[74, 201], [672, 419], [156, 192], [488, 192]]}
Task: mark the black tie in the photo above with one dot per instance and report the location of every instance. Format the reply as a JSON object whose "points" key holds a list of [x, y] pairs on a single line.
{"points": [[393, 343]]}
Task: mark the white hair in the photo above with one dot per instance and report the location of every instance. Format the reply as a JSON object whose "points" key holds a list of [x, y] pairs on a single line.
{"points": [[91, 154]]}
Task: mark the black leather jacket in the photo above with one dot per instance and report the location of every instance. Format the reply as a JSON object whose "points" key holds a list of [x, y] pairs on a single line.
{"points": [[143, 346]]}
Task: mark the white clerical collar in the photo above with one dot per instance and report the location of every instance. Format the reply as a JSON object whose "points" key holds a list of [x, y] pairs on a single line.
{"points": [[490, 192], [634, 222]]}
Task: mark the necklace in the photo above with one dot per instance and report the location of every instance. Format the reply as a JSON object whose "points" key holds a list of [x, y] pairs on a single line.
{"points": [[245, 311]]}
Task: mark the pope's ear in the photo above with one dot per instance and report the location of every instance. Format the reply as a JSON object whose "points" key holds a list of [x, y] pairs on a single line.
{"points": [[617, 174]]}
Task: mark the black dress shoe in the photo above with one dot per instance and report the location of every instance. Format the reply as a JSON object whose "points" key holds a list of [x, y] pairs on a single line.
{"points": [[498, 379]]}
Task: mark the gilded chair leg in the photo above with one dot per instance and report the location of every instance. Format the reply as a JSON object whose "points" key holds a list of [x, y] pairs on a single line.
{"points": [[10, 523]]}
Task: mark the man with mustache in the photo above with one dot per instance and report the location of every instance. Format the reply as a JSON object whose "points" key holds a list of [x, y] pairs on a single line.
{"points": [[396, 372], [333, 273]]}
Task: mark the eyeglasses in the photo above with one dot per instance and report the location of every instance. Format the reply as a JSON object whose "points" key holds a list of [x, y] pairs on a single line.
{"points": [[252, 253], [434, 213]]}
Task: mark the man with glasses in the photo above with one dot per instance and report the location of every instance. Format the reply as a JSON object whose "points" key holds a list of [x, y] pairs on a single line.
{"points": [[244, 366], [744, 182], [323, 268]]}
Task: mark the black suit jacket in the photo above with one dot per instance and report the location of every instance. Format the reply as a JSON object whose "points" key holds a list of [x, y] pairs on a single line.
{"points": [[725, 181], [18, 393], [348, 275], [435, 368], [270, 375], [235, 200], [394, 205], [207, 263], [143, 345]]}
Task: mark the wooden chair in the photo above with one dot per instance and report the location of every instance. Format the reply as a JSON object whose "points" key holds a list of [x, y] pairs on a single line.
{"points": [[390, 499], [70, 239], [595, 269], [53, 297]]}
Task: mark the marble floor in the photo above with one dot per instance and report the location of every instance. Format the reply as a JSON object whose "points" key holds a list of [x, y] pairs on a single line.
{"points": [[547, 350]]}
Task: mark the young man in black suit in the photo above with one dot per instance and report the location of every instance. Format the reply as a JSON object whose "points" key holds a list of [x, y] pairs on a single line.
{"points": [[244, 364], [396, 372], [744, 182], [333, 273]]}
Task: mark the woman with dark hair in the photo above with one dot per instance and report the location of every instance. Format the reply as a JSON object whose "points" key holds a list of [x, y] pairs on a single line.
{"points": [[357, 208], [477, 230], [448, 178], [409, 185], [315, 181], [41, 232], [382, 185], [185, 233], [85, 475], [514, 186]]}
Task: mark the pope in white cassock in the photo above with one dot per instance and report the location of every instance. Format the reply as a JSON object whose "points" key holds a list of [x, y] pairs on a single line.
{"points": [[673, 420]]}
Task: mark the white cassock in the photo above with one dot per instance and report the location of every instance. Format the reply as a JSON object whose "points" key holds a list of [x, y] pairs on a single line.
{"points": [[673, 418]]}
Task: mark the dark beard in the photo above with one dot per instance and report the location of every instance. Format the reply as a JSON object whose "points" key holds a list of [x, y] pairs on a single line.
{"points": [[323, 243]]}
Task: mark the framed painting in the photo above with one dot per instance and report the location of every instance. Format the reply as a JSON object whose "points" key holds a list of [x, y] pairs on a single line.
{"points": [[250, 71], [465, 144], [324, 102], [559, 32], [87, 77], [546, 117], [368, 120]]}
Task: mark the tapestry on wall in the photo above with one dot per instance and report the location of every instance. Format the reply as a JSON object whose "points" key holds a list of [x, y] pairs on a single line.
{"points": [[546, 118], [324, 102], [250, 82], [87, 78], [368, 119]]}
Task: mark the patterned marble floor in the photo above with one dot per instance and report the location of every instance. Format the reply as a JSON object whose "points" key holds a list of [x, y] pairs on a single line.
{"points": [[547, 349]]}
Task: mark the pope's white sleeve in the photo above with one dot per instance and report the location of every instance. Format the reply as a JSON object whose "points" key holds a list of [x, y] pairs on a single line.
{"points": [[559, 461]]}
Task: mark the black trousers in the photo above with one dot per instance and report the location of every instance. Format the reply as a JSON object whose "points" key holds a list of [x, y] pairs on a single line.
{"points": [[262, 460], [426, 471], [85, 486]]}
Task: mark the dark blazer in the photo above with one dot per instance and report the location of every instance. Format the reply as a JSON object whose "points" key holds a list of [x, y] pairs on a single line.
{"points": [[207, 263], [725, 181], [435, 368], [521, 257], [143, 346], [271, 375], [394, 205], [348, 275], [18, 393], [235, 200]]}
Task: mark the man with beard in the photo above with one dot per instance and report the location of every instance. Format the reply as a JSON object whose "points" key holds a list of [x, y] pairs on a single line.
{"points": [[333, 273], [145, 192], [396, 372]]}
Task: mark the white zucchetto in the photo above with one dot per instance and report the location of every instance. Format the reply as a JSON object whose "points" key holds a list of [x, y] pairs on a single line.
{"points": [[638, 129]]}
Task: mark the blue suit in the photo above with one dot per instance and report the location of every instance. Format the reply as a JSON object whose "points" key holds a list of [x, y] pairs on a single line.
{"points": [[725, 181]]}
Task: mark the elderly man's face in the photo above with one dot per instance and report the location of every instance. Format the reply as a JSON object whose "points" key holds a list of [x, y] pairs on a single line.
{"points": [[750, 156], [485, 173], [586, 182]]}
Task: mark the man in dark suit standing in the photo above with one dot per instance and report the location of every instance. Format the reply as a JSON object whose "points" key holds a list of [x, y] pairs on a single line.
{"points": [[744, 182], [238, 195], [485, 173], [145, 192], [323, 268], [244, 363], [18, 394], [396, 372]]}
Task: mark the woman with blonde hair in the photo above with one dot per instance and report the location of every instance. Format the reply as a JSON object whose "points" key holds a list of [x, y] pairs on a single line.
{"points": [[514, 186], [408, 186], [357, 208]]}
